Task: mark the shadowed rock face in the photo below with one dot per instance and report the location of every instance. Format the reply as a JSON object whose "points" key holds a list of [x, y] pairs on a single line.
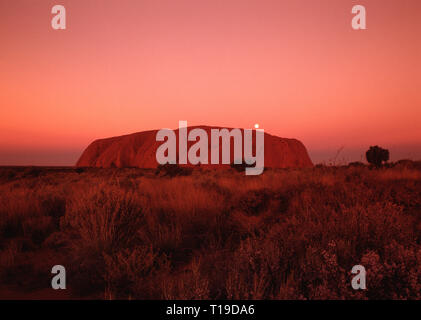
{"points": [[139, 150]]}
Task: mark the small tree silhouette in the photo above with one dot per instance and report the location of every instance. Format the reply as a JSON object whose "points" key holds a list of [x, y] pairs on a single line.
{"points": [[376, 155]]}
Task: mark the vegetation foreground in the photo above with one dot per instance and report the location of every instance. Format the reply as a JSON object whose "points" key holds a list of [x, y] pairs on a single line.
{"points": [[183, 234]]}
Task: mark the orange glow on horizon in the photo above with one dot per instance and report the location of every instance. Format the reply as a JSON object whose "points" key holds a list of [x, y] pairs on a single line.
{"points": [[296, 68]]}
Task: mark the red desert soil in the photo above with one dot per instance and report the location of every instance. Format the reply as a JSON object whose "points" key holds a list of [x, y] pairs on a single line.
{"points": [[139, 149]]}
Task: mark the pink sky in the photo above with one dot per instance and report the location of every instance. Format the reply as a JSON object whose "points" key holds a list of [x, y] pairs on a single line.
{"points": [[296, 67]]}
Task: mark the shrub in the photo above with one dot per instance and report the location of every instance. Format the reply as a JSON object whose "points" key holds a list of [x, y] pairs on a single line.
{"points": [[376, 155], [287, 234], [104, 218]]}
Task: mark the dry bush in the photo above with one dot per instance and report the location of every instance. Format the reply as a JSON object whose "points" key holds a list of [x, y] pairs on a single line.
{"points": [[103, 218], [101, 221], [28, 213], [287, 234], [187, 284], [128, 272]]}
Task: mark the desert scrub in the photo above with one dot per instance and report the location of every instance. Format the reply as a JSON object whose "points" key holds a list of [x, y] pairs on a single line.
{"points": [[104, 218], [129, 273], [287, 234]]}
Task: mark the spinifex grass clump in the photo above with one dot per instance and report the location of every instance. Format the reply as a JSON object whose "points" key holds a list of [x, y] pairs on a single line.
{"points": [[286, 234]]}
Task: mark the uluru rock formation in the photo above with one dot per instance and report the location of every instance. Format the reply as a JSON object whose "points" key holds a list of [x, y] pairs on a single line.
{"points": [[139, 150]]}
